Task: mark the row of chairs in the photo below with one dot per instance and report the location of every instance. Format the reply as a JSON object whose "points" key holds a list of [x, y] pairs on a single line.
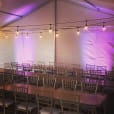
{"points": [[100, 73], [98, 70], [45, 104], [29, 67], [88, 85], [22, 101], [91, 71], [51, 81], [42, 68], [95, 67]]}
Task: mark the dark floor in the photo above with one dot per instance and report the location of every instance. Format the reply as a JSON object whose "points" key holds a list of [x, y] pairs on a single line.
{"points": [[110, 102]]}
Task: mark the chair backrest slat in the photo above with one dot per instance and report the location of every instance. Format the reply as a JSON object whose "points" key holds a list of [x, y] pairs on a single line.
{"points": [[69, 84], [49, 81], [21, 94]]}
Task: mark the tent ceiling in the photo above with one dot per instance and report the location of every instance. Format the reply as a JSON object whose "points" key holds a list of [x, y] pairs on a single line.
{"points": [[11, 10], [104, 6], [108, 4]]}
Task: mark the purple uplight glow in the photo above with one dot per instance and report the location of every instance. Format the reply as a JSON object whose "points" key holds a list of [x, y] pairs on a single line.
{"points": [[21, 11], [24, 49], [97, 49]]}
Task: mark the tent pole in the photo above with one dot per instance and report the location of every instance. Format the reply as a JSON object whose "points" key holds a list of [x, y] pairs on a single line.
{"points": [[55, 24]]}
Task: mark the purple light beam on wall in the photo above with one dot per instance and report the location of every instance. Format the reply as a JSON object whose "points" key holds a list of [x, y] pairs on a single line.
{"points": [[97, 48], [24, 49]]}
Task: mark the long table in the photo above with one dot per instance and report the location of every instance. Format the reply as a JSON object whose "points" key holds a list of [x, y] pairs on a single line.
{"points": [[85, 98]]}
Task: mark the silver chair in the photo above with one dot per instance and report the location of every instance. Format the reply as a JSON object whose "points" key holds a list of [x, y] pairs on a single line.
{"points": [[6, 103], [49, 81], [69, 84], [23, 102], [70, 104]]}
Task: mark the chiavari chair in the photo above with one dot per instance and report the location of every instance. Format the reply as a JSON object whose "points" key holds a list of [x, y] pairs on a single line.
{"points": [[19, 67], [110, 76], [101, 72], [19, 77], [44, 99], [90, 70], [34, 68], [60, 70], [27, 67], [69, 84], [8, 76], [90, 67], [50, 69], [23, 101], [90, 85], [71, 106], [79, 77], [49, 81], [13, 65], [41, 66], [33, 80], [6, 103]]}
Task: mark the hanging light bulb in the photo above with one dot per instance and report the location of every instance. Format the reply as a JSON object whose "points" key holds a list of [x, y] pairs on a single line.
{"points": [[78, 31], [40, 34], [86, 26], [17, 31], [103, 27], [57, 34], [50, 29]]}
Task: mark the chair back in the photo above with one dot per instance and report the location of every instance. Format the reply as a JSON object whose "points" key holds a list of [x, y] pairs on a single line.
{"points": [[69, 84], [90, 70], [20, 94], [27, 67], [19, 77], [14, 65], [110, 76], [1, 79], [90, 85], [49, 81], [70, 102], [60, 69], [90, 67], [44, 98], [8, 76], [101, 70], [33, 80]]}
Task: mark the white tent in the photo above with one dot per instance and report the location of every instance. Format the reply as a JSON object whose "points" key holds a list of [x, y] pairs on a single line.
{"points": [[92, 46]]}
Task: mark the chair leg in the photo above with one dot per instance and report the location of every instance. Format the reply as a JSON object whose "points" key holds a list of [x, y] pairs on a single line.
{"points": [[94, 111], [15, 111], [4, 110]]}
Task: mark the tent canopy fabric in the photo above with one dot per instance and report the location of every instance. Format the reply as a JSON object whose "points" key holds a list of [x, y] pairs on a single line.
{"points": [[12, 10]]}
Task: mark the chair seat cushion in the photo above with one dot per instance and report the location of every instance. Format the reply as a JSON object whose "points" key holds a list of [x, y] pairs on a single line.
{"points": [[71, 112], [46, 110], [24, 105], [6, 102]]}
